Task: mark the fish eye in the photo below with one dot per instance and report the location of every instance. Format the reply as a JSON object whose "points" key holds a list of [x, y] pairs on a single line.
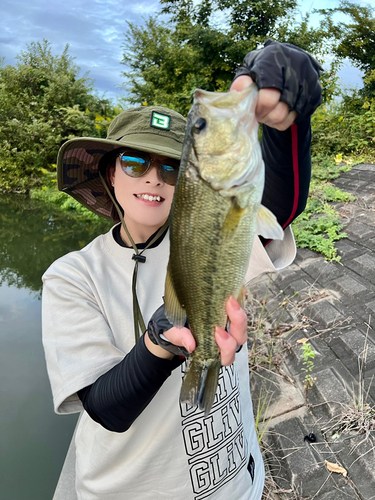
{"points": [[199, 125]]}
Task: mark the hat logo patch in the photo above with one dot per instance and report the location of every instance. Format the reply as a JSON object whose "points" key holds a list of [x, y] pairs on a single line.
{"points": [[161, 121]]}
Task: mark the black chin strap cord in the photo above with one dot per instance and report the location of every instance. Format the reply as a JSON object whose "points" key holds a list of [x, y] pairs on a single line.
{"points": [[139, 324]]}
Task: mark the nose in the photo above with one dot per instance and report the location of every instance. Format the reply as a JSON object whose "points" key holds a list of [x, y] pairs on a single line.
{"points": [[153, 176]]}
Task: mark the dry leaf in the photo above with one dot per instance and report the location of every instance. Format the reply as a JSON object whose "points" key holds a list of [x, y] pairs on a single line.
{"points": [[336, 468], [302, 341]]}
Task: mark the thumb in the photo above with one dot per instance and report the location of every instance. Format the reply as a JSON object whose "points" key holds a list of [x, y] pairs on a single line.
{"points": [[241, 83], [181, 337]]}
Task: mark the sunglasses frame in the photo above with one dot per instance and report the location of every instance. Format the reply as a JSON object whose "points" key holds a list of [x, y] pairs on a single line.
{"points": [[144, 156]]}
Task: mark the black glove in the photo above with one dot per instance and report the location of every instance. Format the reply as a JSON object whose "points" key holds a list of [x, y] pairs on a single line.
{"points": [[159, 324], [288, 68]]}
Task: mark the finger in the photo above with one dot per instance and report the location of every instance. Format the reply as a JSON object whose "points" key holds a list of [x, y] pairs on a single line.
{"points": [[181, 337], [273, 112], [281, 121], [290, 119], [241, 83], [227, 345], [238, 321], [279, 116], [268, 99]]}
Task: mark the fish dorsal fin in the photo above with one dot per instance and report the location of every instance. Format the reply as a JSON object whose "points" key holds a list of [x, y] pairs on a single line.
{"points": [[173, 309], [267, 225], [233, 217]]}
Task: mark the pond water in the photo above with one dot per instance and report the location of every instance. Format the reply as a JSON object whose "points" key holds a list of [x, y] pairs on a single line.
{"points": [[33, 439]]}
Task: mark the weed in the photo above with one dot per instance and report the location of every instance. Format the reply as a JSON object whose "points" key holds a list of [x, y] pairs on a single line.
{"points": [[319, 226], [264, 401], [307, 357], [359, 416]]}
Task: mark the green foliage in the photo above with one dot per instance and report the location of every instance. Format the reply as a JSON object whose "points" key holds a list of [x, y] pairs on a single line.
{"points": [[354, 36], [319, 226], [345, 127], [43, 102], [307, 356], [244, 20], [203, 45]]}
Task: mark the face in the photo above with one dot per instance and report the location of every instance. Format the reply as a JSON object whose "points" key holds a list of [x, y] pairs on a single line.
{"points": [[146, 200]]}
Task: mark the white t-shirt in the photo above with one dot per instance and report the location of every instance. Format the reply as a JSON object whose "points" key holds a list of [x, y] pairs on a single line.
{"points": [[171, 451]]}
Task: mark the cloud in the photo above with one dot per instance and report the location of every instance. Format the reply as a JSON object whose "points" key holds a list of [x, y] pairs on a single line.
{"points": [[94, 31], [148, 8]]}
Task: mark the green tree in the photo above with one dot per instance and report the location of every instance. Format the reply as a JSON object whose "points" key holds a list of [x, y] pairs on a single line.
{"points": [[203, 44], [347, 127], [43, 102], [354, 38]]}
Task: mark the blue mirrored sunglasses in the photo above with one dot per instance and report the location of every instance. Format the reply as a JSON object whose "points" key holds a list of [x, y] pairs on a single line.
{"points": [[137, 164]]}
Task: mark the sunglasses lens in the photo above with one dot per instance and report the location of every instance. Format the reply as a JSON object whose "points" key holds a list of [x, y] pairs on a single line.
{"points": [[134, 165], [170, 173]]}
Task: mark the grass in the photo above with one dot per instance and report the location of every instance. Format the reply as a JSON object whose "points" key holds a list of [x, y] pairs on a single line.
{"points": [[319, 226], [358, 416]]}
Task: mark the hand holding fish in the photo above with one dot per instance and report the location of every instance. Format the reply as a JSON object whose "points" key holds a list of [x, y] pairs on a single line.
{"points": [[269, 110], [288, 81], [228, 343]]}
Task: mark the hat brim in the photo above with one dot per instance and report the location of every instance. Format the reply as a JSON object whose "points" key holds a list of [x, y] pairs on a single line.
{"points": [[78, 166]]}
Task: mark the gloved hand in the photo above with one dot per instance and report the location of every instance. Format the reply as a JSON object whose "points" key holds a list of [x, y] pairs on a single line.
{"points": [[291, 70], [159, 324]]}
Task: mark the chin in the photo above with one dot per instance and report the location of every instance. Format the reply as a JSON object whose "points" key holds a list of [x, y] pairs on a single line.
{"points": [[151, 223]]}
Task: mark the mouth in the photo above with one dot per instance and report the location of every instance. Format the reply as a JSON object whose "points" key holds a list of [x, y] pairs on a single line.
{"points": [[149, 197]]}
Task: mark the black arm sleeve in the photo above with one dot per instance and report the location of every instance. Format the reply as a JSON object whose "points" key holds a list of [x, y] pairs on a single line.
{"points": [[119, 396], [287, 159]]}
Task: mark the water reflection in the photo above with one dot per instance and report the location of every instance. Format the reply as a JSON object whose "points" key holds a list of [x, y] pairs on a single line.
{"points": [[32, 236], [33, 440]]}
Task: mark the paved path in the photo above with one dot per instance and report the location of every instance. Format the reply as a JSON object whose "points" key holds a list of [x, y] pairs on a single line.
{"points": [[333, 305]]}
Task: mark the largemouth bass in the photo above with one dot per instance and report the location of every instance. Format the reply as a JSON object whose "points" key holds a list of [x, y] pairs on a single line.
{"points": [[215, 214]]}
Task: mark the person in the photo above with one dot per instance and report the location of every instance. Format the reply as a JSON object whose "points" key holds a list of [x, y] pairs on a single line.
{"points": [[134, 439]]}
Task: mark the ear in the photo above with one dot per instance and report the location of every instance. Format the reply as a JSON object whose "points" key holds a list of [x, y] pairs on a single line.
{"points": [[111, 169]]}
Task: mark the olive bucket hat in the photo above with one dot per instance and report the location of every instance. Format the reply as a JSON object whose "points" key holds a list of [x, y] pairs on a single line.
{"points": [[151, 129]]}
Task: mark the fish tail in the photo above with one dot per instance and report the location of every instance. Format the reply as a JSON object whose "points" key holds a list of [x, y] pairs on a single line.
{"points": [[200, 384]]}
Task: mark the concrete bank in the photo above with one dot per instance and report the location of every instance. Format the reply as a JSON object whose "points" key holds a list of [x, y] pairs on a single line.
{"points": [[333, 306]]}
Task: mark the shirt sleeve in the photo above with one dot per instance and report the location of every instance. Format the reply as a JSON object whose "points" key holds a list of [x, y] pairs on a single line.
{"points": [[77, 340], [287, 159], [119, 396]]}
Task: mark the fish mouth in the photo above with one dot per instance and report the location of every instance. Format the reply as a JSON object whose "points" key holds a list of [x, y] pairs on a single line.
{"points": [[149, 197]]}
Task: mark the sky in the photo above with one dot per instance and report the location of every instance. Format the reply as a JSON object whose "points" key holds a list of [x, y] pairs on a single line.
{"points": [[94, 30]]}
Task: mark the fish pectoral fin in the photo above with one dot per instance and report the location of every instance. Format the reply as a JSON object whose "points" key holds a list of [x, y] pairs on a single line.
{"points": [[242, 297], [172, 307], [233, 217], [267, 225]]}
